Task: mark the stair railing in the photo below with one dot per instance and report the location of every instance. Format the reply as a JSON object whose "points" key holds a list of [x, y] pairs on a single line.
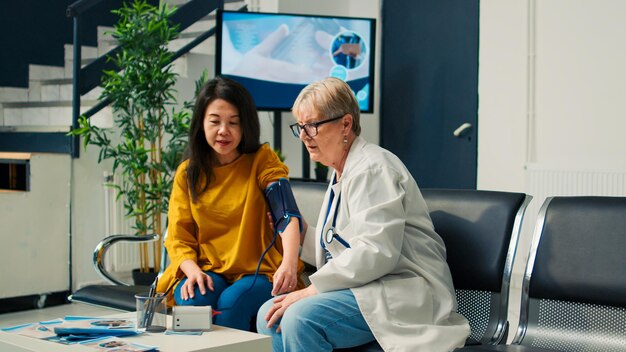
{"points": [[87, 78]]}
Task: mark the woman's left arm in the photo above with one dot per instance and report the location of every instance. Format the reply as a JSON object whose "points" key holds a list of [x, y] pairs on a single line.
{"points": [[273, 178], [286, 276]]}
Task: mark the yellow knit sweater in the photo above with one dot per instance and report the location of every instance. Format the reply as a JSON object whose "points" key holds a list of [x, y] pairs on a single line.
{"points": [[227, 229]]}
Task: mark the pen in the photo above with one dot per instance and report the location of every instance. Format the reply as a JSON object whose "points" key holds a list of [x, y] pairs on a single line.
{"points": [[151, 304]]}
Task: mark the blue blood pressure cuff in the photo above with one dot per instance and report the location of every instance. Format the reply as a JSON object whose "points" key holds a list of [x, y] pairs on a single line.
{"points": [[282, 204]]}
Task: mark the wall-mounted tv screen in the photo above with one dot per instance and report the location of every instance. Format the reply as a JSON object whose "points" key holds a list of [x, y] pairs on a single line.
{"points": [[276, 55]]}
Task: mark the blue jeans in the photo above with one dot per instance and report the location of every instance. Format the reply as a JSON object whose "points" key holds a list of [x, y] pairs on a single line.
{"points": [[238, 302], [318, 323]]}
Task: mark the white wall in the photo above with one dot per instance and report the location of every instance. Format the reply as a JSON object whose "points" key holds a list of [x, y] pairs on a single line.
{"points": [[502, 87], [581, 83], [577, 87], [88, 220]]}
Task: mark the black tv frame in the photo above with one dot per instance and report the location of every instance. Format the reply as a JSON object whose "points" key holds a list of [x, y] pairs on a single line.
{"points": [[371, 56]]}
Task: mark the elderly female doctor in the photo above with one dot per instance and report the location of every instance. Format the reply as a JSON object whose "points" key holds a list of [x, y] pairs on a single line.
{"points": [[381, 269]]}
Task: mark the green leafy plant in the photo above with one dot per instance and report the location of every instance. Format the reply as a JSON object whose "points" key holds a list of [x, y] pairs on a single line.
{"points": [[149, 137]]}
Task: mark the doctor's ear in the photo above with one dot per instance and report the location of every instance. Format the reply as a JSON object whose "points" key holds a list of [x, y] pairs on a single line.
{"points": [[347, 122]]}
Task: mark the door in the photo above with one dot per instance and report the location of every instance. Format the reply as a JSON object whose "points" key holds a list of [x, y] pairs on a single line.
{"points": [[429, 89]]}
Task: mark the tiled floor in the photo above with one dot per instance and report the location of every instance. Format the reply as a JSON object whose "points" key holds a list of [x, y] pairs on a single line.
{"points": [[29, 316]]}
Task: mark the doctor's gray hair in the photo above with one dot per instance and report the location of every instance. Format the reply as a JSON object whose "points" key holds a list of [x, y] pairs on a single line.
{"points": [[330, 97]]}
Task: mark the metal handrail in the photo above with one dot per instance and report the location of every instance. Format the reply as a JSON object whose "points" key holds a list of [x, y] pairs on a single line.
{"points": [[182, 51], [80, 7], [99, 254]]}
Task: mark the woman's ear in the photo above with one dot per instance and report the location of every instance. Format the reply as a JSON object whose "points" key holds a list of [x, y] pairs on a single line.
{"points": [[347, 123]]}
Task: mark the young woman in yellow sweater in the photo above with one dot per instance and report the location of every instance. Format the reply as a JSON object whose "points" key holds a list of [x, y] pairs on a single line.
{"points": [[219, 235]]}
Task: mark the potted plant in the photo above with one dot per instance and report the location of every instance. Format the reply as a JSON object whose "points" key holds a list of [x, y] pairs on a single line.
{"points": [[149, 136], [321, 172]]}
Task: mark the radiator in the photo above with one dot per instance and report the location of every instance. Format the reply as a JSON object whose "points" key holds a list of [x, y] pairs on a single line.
{"points": [[122, 257], [542, 182]]}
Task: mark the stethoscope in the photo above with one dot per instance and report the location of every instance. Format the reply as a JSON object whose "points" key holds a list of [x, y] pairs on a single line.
{"points": [[331, 234]]}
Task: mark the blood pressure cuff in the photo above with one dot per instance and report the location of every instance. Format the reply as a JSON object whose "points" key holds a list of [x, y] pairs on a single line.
{"points": [[282, 204]]}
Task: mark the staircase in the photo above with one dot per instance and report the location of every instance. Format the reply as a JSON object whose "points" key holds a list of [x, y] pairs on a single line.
{"points": [[46, 105]]}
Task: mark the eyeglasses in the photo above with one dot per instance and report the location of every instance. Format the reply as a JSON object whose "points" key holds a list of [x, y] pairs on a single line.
{"points": [[310, 128]]}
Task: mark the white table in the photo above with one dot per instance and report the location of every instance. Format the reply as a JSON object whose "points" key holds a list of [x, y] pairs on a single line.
{"points": [[219, 339]]}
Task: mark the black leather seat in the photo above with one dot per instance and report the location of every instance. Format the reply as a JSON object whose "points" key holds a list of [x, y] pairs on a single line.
{"points": [[481, 231], [574, 288], [109, 296]]}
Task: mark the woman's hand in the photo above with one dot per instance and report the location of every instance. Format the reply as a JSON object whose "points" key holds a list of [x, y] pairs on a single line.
{"points": [[195, 276], [283, 302], [285, 278]]}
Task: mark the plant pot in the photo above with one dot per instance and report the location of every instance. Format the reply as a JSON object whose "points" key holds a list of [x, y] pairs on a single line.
{"points": [[321, 174], [144, 278]]}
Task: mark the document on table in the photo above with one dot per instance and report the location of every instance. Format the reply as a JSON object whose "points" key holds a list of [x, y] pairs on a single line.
{"points": [[73, 329]]}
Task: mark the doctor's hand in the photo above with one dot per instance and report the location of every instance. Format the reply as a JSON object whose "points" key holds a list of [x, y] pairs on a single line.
{"points": [[195, 276], [282, 303]]}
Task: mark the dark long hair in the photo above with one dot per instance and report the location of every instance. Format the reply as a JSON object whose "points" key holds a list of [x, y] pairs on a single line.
{"points": [[202, 158]]}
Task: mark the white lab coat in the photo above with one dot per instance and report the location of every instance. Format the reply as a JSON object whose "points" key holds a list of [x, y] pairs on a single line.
{"points": [[396, 265]]}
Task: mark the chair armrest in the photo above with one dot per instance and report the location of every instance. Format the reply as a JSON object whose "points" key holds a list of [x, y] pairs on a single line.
{"points": [[104, 245]]}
